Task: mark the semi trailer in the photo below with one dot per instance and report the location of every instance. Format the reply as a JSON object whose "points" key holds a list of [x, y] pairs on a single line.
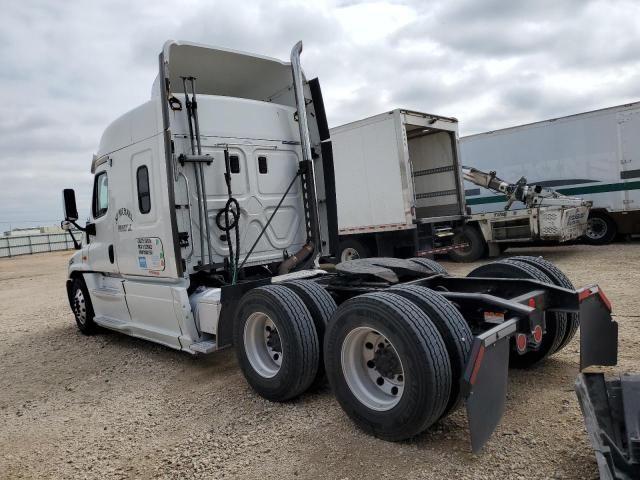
{"points": [[593, 155], [399, 187], [212, 203]]}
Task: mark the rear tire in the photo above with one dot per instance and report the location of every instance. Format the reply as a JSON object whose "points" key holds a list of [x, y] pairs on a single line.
{"points": [[364, 387], [476, 249], [82, 307], [555, 329], [276, 342], [561, 280], [453, 329], [430, 264], [352, 249], [601, 229], [321, 306]]}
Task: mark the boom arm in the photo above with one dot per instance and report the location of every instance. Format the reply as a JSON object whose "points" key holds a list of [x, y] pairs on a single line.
{"points": [[530, 195]]}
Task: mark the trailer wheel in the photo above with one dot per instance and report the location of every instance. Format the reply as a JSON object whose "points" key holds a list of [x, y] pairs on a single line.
{"points": [[430, 264], [476, 246], [556, 329], [387, 365], [453, 329], [276, 342], [560, 279], [352, 249], [82, 307], [321, 306], [601, 229]]}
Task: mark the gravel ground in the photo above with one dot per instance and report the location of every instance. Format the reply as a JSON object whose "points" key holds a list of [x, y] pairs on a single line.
{"points": [[110, 406]]}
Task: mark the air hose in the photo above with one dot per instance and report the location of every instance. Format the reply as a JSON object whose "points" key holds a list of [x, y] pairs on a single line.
{"points": [[231, 212]]}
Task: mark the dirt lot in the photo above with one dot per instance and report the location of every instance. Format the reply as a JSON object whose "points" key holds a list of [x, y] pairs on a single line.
{"points": [[110, 406]]}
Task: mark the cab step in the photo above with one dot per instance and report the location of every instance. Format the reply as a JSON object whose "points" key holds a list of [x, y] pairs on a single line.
{"points": [[206, 346]]}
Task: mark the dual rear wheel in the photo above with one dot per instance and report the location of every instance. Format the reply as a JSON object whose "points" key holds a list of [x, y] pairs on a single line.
{"points": [[278, 336], [393, 359]]}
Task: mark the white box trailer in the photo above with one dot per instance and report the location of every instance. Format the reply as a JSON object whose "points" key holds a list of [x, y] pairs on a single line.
{"points": [[594, 155], [398, 180]]}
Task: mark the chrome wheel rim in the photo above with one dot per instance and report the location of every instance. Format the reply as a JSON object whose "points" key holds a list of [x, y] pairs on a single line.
{"points": [[596, 228], [372, 369], [262, 344], [349, 253], [80, 307]]}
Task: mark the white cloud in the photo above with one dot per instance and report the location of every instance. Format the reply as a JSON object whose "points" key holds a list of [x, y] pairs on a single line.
{"points": [[69, 68]]}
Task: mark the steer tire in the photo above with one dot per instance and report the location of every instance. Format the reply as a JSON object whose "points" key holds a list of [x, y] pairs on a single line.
{"points": [[423, 359], [555, 329], [300, 349], [82, 308], [453, 329], [432, 265], [558, 278], [321, 306]]}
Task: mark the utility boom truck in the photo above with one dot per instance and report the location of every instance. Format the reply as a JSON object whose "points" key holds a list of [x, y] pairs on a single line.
{"points": [[210, 210], [549, 216]]}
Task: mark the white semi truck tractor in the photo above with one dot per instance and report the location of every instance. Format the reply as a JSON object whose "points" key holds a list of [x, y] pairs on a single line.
{"points": [[212, 203]]}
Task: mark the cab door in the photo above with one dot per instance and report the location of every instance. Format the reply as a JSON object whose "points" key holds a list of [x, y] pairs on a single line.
{"points": [[100, 248]]}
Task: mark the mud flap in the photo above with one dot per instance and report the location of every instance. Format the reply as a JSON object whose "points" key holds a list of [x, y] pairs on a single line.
{"points": [[598, 332], [485, 381]]}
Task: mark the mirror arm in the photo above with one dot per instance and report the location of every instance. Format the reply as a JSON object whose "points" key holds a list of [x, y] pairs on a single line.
{"points": [[72, 222], [76, 244]]}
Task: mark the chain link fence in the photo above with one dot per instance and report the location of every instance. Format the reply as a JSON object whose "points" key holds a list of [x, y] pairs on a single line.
{"points": [[37, 243]]}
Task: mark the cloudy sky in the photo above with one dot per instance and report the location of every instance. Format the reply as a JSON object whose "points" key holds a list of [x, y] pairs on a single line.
{"points": [[68, 68]]}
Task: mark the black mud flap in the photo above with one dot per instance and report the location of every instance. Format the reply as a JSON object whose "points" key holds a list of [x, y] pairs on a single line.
{"points": [[485, 381], [598, 332], [611, 410]]}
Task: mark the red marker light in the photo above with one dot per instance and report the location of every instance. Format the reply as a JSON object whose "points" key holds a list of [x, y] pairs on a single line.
{"points": [[521, 342], [537, 333], [532, 302]]}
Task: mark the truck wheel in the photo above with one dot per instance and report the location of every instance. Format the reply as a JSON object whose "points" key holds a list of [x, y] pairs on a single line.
{"points": [[476, 246], [276, 342], [556, 328], [452, 327], [352, 249], [561, 280], [82, 308], [387, 365], [430, 264], [321, 306], [601, 229]]}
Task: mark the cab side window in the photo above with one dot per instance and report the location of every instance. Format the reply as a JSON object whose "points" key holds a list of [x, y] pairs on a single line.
{"points": [[100, 203], [144, 194]]}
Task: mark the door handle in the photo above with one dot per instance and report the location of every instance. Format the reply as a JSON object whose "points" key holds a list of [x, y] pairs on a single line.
{"points": [[111, 254]]}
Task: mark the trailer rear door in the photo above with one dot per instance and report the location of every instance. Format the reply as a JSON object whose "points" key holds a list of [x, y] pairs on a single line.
{"points": [[432, 147]]}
